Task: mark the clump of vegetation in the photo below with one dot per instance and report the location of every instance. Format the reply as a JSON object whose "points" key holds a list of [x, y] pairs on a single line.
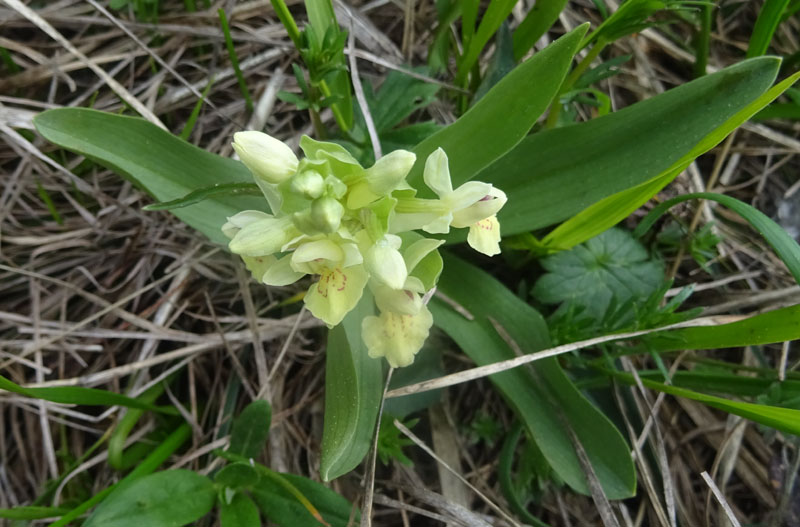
{"points": [[620, 339]]}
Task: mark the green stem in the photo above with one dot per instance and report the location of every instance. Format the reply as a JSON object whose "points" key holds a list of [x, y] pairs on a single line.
{"points": [[703, 41], [570, 81], [285, 16], [416, 205], [116, 444], [234, 59], [319, 129], [337, 112]]}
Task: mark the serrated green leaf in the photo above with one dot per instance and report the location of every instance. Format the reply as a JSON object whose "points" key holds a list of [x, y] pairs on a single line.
{"points": [[542, 396], [611, 267], [250, 429], [165, 499], [353, 391]]}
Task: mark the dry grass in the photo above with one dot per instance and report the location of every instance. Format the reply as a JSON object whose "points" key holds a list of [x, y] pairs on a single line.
{"points": [[105, 295]]}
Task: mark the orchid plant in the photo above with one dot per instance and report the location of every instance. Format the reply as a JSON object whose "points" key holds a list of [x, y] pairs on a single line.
{"points": [[353, 228]]}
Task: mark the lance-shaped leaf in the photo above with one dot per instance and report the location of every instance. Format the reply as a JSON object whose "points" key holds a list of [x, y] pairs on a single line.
{"points": [[555, 174], [542, 396], [503, 116], [163, 165], [353, 391]]}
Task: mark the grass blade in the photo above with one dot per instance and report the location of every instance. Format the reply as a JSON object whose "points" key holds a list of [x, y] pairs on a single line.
{"points": [[539, 19], [767, 22], [234, 59], [785, 246], [82, 396]]}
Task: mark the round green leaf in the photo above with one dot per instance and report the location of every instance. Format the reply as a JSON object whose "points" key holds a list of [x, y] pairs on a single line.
{"points": [[165, 499]]}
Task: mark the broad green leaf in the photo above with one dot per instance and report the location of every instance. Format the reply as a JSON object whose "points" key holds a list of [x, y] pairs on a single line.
{"points": [[353, 391], [611, 267], [159, 454], [165, 499], [604, 214], [495, 14], [31, 512], [779, 325], [552, 175], [250, 429], [784, 419], [240, 512], [613, 209], [503, 116], [83, 396], [163, 165], [542, 396], [784, 245], [539, 19], [282, 507], [237, 475], [767, 22]]}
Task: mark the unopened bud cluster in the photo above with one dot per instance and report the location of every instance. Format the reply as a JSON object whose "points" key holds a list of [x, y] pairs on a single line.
{"points": [[352, 228]]}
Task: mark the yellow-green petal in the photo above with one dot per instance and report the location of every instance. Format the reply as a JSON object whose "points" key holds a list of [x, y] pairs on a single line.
{"points": [[396, 337], [484, 236], [490, 205], [267, 158], [262, 237], [258, 265], [280, 272], [336, 293], [437, 173], [385, 263]]}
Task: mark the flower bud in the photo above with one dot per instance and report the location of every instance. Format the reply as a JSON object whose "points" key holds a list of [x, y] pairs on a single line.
{"points": [[389, 171], [267, 158], [385, 262], [308, 184], [326, 214], [263, 237]]}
